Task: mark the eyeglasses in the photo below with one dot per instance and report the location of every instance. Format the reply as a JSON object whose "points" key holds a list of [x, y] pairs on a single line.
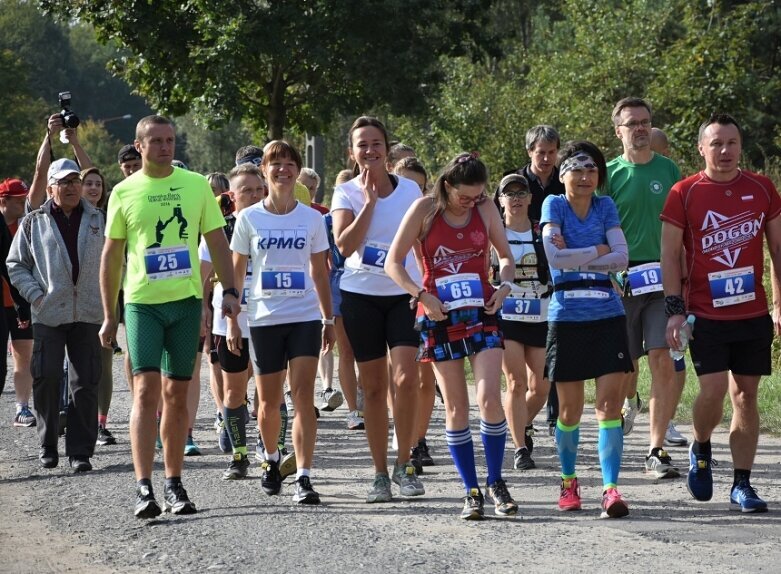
{"points": [[511, 195], [67, 182], [468, 200], [633, 125]]}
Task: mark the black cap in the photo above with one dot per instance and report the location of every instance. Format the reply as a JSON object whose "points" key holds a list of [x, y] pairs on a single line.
{"points": [[128, 153]]}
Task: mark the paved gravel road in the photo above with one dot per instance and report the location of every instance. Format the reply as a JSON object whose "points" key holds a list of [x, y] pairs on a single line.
{"points": [[55, 521]]}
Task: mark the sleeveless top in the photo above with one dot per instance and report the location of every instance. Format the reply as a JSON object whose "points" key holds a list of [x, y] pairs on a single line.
{"points": [[449, 250]]}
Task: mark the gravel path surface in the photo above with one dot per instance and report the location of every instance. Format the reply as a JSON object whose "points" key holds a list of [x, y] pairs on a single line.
{"points": [[55, 521]]}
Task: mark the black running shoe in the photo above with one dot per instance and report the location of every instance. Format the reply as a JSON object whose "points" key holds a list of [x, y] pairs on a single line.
{"points": [[176, 500], [303, 493], [503, 502], [237, 469], [271, 481], [523, 460], [146, 505], [425, 457], [105, 437], [414, 460], [473, 505]]}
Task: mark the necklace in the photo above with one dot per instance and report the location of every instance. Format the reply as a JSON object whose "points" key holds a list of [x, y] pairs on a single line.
{"points": [[276, 209]]}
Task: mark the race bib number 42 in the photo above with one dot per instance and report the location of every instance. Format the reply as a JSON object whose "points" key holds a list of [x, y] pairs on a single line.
{"points": [[732, 287], [167, 262], [461, 290]]}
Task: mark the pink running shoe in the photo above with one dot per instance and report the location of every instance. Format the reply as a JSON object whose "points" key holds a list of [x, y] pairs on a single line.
{"points": [[613, 506], [569, 499]]}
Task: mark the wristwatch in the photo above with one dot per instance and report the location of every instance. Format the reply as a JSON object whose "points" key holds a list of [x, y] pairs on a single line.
{"points": [[232, 291]]}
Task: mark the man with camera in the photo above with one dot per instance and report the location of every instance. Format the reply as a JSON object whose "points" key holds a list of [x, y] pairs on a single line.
{"points": [[54, 263]]}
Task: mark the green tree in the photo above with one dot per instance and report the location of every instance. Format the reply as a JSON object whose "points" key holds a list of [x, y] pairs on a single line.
{"points": [[283, 63], [207, 149]]}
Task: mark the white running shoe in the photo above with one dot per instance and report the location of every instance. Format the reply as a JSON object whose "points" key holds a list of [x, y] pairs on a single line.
{"points": [[355, 421], [674, 438], [331, 400], [629, 412], [291, 409]]}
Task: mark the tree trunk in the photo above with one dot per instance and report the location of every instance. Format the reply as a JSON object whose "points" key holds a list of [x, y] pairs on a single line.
{"points": [[277, 114]]}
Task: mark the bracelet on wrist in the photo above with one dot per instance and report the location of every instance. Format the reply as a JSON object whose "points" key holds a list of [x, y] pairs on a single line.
{"points": [[674, 305], [331, 321]]}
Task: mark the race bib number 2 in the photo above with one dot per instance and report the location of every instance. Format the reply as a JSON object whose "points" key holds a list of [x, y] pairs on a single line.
{"points": [[167, 262], [461, 290], [732, 287]]}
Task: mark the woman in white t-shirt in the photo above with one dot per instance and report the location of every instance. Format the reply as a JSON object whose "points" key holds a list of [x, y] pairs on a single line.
{"points": [[524, 318], [288, 310], [367, 212]]}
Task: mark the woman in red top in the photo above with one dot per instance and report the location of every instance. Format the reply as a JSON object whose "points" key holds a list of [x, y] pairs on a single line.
{"points": [[454, 229]]}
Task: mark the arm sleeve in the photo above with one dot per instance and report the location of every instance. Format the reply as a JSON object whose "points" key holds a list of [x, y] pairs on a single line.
{"points": [[565, 258], [618, 257]]}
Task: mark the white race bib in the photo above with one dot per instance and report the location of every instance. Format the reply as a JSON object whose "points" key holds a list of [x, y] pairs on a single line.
{"points": [[460, 290], [167, 262]]}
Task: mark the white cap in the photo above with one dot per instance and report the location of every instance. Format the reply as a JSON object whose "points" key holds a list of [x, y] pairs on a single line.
{"points": [[61, 168]]}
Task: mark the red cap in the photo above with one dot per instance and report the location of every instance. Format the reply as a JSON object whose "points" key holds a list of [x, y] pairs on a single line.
{"points": [[13, 188]]}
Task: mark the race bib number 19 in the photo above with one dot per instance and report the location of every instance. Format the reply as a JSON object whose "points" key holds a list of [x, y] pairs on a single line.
{"points": [[732, 287], [645, 278], [167, 262], [461, 290]]}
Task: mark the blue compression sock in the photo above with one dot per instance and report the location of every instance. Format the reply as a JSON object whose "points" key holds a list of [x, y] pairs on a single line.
{"points": [[462, 449], [494, 437], [611, 446], [567, 439]]}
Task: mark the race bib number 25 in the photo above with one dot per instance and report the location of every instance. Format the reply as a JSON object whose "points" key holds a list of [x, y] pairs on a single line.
{"points": [[167, 262]]}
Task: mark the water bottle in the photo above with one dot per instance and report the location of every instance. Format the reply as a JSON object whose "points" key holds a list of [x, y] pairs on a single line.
{"points": [[684, 332]]}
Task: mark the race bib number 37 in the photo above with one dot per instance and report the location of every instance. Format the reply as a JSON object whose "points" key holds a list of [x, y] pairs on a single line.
{"points": [[167, 262], [732, 287], [461, 290], [525, 310]]}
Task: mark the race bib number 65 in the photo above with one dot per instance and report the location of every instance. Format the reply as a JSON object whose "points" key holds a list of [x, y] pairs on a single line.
{"points": [[461, 290]]}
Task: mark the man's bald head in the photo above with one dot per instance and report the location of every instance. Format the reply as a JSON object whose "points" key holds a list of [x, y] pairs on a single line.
{"points": [[659, 142]]}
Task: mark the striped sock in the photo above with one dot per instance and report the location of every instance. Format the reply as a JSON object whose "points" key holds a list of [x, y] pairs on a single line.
{"points": [[611, 446], [494, 437], [567, 439], [462, 449]]}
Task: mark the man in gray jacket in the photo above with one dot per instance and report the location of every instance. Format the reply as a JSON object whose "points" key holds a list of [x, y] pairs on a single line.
{"points": [[54, 263]]}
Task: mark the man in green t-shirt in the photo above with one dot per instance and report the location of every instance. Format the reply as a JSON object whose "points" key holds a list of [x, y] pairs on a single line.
{"points": [[158, 214], [638, 182]]}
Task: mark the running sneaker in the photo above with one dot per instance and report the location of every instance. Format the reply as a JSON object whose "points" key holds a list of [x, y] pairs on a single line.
{"points": [[660, 463], [699, 481], [259, 450], [287, 465], [190, 448], [271, 480], [504, 505], [303, 493], [529, 438], [238, 468], [569, 498], [474, 505], [25, 418], [105, 437], [674, 438], [224, 440], [355, 421], [291, 408], [405, 476], [218, 425], [176, 501], [380, 490], [523, 460], [423, 454], [331, 400], [146, 505], [629, 412], [613, 506], [745, 498]]}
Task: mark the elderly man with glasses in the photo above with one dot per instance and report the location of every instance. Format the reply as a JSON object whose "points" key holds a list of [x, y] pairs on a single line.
{"points": [[54, 263]]}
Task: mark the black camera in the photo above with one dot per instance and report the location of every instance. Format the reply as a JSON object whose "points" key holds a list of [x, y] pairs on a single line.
{"points": [[69, 119]]}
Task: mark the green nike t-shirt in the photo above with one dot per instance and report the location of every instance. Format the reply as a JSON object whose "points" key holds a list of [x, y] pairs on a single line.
{"points": [[639, 191], [161, 218]]}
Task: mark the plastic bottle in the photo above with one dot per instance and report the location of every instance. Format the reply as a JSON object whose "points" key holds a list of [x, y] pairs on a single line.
{"points": [[684, 333]]}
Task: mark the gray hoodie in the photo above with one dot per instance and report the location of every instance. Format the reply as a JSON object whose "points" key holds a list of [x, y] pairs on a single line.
{"points": [[38, 265]]}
